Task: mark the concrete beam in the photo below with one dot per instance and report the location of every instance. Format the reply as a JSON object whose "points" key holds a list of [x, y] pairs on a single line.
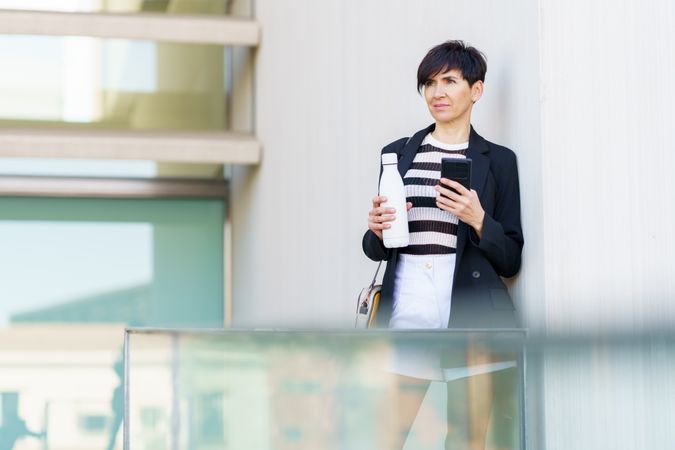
{"points": [[195, 29], [160, 146]]}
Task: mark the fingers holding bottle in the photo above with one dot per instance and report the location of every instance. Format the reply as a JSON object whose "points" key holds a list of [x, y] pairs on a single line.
{"points": [[379, 216]]}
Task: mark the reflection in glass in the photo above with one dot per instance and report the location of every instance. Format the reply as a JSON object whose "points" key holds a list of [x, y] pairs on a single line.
{"points": [[73, 273], [119, 261], [12, 426], [113, 83], [310, 390], [123, 6], [89, 272]]}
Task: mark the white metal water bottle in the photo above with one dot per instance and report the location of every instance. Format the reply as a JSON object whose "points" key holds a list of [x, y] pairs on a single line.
{"points": [[391, 186]]}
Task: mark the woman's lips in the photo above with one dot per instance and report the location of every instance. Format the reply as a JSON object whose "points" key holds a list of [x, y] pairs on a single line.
{"points": [[440, 105]]}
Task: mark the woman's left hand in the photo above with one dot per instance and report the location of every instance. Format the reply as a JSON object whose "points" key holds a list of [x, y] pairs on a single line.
{"points": [[464, 203]]}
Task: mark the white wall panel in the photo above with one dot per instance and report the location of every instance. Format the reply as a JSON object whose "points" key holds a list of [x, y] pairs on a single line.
{"points": [[609, 159], [617, 395], [608, 164], [335, 81]]}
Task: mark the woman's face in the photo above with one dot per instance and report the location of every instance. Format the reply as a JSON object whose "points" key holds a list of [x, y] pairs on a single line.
{"points": [[449, 96]]}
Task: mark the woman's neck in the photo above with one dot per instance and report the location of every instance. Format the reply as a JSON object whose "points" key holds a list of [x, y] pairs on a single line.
{"points": [[452, 133]]}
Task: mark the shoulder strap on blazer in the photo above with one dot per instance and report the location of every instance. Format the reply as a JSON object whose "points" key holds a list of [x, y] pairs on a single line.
{"points": [[399, 151]]}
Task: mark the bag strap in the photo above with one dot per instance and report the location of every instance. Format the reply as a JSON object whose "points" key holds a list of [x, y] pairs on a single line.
{"points": [[372, 283]]}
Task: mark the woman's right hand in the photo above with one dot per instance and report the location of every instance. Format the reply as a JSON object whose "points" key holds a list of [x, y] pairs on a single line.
{"points": [[379, 217]]}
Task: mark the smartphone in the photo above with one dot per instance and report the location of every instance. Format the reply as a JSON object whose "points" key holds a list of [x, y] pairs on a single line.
{"points": [[457, 169]]}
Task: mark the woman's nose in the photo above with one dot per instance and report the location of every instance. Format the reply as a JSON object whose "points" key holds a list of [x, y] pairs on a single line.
{"points": [[439, 90]]}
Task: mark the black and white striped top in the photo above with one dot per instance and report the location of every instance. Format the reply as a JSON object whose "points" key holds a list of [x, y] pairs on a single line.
{"points": [[432, 230]]}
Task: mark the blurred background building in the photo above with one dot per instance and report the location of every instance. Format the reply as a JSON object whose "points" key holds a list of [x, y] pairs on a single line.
{"points": [[210, 163]]}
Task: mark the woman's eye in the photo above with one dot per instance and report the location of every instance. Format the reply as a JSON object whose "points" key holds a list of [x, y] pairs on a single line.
{"points": [[428, 83]]}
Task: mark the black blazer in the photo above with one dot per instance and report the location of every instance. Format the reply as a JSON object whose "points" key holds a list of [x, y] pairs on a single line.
{"points": [[479, 296]]}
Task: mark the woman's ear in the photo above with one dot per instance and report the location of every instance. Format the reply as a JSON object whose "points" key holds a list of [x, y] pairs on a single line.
{"points": [[477, 91]]}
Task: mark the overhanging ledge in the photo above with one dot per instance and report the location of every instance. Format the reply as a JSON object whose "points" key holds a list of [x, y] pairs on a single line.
{"points": [[160, 146], [196, 29]]}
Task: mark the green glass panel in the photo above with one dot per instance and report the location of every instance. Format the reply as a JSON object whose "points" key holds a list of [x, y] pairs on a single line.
{"points": [[142, 262], [123, 6], [82, 82]]}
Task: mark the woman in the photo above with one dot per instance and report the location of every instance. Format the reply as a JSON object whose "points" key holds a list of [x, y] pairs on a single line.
{"points": [[461, 241]]}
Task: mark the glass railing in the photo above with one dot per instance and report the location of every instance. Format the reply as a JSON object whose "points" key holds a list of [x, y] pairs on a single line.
{"points": [[324, 390], [352, 390]]}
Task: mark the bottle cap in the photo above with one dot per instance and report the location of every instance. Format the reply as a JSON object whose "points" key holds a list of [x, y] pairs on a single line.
{"points": [[389, 158]]}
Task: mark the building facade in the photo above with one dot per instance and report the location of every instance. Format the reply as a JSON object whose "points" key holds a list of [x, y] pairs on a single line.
{"points": [[189, 163]]}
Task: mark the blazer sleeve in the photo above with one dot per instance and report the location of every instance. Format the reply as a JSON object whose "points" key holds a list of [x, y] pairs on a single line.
{"points": [[502, 238], [374, 248]]}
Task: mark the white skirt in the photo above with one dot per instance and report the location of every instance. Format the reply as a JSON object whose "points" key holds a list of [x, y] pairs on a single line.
{"points": [[422, 291], [423, 300]]}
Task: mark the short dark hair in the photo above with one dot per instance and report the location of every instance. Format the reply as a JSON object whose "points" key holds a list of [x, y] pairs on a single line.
{"points": [[450, 55]]}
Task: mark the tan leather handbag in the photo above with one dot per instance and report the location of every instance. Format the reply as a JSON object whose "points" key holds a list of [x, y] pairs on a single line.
{"points": [[368, 302]]}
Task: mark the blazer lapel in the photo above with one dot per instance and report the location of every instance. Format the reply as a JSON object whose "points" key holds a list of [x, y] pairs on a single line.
{"points": [[480, 163], [480, 166], [410, 149]]}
